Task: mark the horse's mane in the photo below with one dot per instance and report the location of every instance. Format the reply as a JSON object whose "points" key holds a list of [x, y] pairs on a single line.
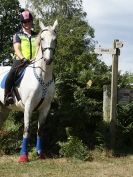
{"points": [[38, 39]]}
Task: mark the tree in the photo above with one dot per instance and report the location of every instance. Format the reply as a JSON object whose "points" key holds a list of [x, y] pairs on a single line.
{"points": [[125, 80], [9, 24]]}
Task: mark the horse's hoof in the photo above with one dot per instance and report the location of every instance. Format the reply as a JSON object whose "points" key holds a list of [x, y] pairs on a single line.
{"points": [[23, 158]]}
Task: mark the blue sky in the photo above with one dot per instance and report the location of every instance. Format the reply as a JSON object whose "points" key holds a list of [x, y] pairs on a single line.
{"points": [[112, 19]]}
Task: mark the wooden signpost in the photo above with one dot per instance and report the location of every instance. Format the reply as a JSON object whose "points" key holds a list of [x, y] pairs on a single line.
{"points": [[115, 51]]}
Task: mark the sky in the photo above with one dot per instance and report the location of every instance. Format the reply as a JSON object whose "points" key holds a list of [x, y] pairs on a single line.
{"points": [[111, 19]]}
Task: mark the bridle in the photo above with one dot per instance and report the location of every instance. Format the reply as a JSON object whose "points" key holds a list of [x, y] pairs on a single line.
{"points": [[48, 62], [43, 85], [48, 48]]}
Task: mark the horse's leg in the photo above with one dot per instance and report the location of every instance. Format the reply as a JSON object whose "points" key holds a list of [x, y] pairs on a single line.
{"points": [[42, 117], [24, 151]]}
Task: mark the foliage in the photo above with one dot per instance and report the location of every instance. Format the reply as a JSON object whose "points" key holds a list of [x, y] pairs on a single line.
{"points": [[74, 147], [10, 134], [33, 154], [125, 127], [9, 24], [126, 80], [61, 7]]}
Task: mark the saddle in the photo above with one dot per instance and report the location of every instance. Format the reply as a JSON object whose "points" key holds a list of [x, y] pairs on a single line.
{"points": [[17, 80]]}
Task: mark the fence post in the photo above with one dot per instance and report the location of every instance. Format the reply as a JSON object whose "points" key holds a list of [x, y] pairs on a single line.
{"points": [[106, 103]]}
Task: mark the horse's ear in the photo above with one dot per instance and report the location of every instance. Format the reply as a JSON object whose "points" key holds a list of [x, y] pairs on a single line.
{"points": [[41, 25], [55, 24]]}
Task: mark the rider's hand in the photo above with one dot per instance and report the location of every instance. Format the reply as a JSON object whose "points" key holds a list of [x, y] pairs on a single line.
{"points": [[25, 61]]}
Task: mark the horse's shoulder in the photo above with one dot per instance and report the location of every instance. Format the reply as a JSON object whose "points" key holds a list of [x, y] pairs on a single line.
{"points": [[29, 68]]}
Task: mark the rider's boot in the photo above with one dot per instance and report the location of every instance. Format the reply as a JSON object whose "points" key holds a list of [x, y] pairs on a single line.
{"points": [[8, 98]]}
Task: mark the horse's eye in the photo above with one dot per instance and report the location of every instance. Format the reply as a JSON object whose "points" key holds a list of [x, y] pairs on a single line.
{"points": [[42, 39]]}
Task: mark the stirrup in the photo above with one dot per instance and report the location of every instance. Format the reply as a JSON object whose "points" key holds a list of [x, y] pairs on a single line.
{"points": [[9, 100]]}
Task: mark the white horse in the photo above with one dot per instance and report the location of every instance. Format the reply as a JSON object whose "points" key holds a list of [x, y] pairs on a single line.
{"points": [[36, 89]]}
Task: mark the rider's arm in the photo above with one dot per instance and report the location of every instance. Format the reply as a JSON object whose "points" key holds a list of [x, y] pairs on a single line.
{"points": [[17, 46], [17, 49]]}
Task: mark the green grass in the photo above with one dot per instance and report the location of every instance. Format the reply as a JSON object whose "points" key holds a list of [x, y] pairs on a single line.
{"points": [[101, 166]]}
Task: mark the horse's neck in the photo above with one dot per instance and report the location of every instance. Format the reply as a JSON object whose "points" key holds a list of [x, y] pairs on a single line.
{"points": [[45, 71]]}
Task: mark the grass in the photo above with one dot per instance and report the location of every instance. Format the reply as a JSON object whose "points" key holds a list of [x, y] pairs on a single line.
{"points": [[101, 166]]}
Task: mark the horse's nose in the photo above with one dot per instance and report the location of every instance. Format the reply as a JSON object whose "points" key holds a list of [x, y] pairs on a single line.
{"points": [[48, 61]]}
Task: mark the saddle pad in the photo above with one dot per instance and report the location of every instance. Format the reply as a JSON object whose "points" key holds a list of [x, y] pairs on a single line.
{"points": [[3, 79]]}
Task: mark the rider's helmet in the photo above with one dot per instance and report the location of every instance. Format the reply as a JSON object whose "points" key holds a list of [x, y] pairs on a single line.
{"points": [[26, 16]]}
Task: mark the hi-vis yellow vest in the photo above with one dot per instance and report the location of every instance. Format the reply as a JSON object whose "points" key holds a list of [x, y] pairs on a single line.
{"points": [[28, 44]]}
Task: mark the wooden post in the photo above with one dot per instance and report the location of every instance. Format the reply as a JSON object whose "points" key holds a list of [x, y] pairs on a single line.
{"points": [[106, 103], [113, 103]]}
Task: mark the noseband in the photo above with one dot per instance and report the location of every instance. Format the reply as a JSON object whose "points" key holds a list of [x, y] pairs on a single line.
{"points": [[48, 48]]}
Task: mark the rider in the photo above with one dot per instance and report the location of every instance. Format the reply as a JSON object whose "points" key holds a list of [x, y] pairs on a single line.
{"points": [[25, 50]]}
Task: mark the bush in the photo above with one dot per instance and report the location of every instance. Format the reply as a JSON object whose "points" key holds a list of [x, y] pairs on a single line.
{"points": [[125, 127], [11, 134], [73, 147]]}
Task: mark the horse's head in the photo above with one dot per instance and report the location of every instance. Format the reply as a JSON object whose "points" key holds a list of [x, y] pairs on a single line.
{"points": [[48, 41]]}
